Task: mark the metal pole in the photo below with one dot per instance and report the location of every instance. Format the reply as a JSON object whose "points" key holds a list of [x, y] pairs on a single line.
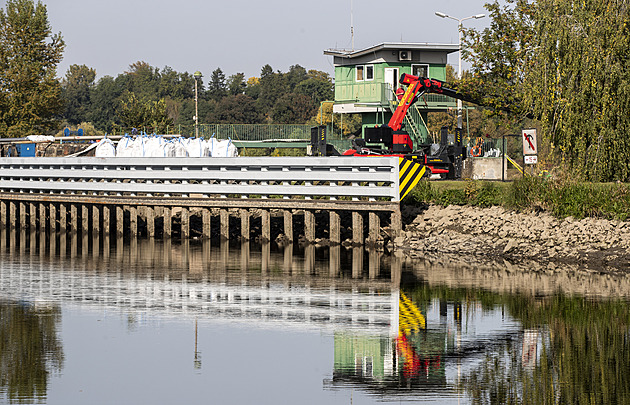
{"points": [[503, 161], [196, 111], [459, 101]]}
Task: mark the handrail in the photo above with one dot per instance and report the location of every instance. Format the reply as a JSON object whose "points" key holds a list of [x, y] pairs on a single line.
{"points": [[356, 178]]}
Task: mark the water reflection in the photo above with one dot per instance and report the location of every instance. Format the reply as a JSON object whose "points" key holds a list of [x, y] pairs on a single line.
{"points": [[30, 349], [399, 330]]}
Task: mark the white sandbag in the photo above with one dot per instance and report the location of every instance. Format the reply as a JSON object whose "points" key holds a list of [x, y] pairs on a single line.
{"points": [[154, 146], [196, 147], [179, 149], [105, 148], [123, 149], [224, 148]]}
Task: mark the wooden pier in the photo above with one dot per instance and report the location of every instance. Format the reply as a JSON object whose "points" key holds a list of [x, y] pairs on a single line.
{"points": [[332, 198]]}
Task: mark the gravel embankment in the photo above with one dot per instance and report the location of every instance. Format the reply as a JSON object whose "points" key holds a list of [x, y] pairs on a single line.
{"points": [[500, 233]]}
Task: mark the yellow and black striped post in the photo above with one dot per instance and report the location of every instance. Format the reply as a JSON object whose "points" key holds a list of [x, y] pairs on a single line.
{"points": [[409, 173]]}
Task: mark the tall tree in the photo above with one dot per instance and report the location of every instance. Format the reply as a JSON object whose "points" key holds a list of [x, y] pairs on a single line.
{"points": [[77, 88], [30, 93], [217, 88], [236, 84]]}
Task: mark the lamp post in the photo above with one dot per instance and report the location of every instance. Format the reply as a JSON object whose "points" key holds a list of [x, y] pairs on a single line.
{"points": [[459, 28], [197, 75]]}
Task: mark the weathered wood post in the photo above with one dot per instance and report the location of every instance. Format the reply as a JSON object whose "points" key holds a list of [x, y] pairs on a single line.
{"points": [[225, 224], [357, 228], [206, 219], [335, 228], [244, 224], [106, 220], [185, 222], [266, 226], [288, 225], [309, 225], [120, 221], [149, 213]]}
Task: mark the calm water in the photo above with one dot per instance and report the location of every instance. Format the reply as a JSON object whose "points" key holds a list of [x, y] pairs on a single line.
{"points": [[113, 322]]}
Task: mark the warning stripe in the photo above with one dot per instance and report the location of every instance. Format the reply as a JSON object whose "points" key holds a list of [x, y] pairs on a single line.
{"points": [[409, 174], [410, 319]]}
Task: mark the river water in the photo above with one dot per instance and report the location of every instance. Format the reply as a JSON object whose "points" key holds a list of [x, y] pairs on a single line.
{"points": [[152, 322]]}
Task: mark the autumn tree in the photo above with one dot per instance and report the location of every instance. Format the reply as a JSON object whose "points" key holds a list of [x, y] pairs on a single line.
{"points": [[30, 93]]}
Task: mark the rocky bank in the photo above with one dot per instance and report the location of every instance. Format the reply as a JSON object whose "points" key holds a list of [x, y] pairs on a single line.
{"points": [[516, 236]]}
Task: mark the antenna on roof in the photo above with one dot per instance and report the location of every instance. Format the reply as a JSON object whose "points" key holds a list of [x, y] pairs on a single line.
{"points": [[352, 24]]}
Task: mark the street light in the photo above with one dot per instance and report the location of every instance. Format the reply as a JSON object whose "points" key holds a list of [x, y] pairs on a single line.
{"points": [[459, 21], [197, 75]]}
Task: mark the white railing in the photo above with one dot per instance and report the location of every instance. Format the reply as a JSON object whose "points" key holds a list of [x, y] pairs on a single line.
{"points": [[331, 178]]}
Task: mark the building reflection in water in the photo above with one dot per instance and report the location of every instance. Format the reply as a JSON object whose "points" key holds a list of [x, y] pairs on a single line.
{"points": [[400, 329]]}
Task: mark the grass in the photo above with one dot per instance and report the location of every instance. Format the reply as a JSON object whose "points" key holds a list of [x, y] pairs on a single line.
{"points": [[562, 197]]}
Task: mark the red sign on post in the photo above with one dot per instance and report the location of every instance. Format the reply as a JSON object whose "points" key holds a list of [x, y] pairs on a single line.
{"points": [[529, 142]]}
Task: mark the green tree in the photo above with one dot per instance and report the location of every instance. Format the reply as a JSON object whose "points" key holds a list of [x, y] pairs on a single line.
{"points": [[217, 88], [143, 113], [105, 98], [318, 86], [236, 84], [77, 88], [30, 93], [293, 108], [143, 79], [238, 109]]}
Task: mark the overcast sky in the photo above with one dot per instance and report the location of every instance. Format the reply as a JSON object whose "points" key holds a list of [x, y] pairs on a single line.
{"points": [[242, 36]]}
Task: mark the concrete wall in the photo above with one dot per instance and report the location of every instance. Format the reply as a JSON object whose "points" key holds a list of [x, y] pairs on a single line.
{"points": [[483, 169]]}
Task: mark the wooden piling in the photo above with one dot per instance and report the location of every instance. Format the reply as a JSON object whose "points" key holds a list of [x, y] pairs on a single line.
{"points": [[185, 215], [288, 225], [13, 214], [357, 228], [225, 224], [52, 218], [73, 219], [106, 220], [168, 222], [206, 218], [335, 228], [244, 225], [266, 226], [3, 214], [120, 218], [374, 228], [32, 216], [133, 221], [85, 220], [309, 225], [42, 217], [22, 223], [96, 221], [63, 218], [149, 214]]}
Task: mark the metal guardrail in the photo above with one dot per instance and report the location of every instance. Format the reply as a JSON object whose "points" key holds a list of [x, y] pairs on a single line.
{"points": [[356, 178]]}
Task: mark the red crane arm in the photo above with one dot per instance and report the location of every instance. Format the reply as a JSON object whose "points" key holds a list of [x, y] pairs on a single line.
{"points": [[417, 86]]}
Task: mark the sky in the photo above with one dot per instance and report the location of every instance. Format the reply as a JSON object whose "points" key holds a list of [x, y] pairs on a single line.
{"points": [[243, 36]]}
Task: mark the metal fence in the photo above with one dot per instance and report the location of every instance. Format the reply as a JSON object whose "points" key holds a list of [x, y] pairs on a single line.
{"points": [[332, 178]]}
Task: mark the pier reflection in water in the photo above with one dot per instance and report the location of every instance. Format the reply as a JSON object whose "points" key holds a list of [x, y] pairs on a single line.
{"points": [[138, 321]]}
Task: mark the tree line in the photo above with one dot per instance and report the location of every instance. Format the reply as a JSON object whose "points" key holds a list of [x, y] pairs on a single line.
{"points": [[149, 97]]}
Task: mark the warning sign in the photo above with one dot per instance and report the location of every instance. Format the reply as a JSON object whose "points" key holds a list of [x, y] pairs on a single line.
{"points": [[529, 142]]}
